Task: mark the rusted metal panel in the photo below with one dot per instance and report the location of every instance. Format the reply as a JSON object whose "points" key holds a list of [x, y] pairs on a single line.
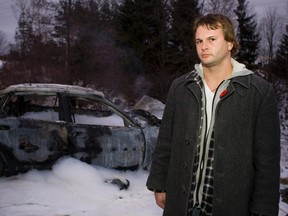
{"points": [[112, 147], [33, 141]]}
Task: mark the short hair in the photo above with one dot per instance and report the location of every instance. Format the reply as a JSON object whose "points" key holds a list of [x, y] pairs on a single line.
{"points": [[214, 21]]}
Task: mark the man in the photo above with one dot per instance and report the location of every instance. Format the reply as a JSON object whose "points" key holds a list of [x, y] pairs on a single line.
{"points": [[218, 147]]}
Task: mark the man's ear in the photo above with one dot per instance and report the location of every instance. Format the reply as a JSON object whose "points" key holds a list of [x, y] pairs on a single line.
{"points": [[230, 45]]}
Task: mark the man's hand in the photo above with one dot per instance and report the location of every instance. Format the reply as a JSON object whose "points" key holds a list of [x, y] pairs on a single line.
{"points": [[160, 199]]}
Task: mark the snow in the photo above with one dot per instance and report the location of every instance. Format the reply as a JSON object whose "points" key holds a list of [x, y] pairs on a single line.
{"points": [[112, 120], [75, 188]]}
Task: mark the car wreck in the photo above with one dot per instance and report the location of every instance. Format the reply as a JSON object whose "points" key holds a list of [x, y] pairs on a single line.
{"points": [[41, 123]]}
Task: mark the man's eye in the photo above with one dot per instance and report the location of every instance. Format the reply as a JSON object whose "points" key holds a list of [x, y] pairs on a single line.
{"points": [[198, 42], [212, 39]]}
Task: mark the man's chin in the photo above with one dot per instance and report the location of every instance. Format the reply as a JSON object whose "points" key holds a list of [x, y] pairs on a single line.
{"points": [[207, 63]]}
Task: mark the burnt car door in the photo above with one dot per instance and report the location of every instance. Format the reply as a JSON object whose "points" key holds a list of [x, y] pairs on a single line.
{"points": [[31, 135], [100, 134]]}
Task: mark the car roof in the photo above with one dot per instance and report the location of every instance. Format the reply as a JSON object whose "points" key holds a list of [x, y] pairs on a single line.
{"points": [[51, 87]]}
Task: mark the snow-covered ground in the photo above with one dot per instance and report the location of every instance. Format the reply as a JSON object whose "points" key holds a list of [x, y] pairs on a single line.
{"points": [[75, 188]]}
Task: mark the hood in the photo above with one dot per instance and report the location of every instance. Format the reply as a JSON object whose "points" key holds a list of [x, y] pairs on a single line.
{"points": [[239, 69]]}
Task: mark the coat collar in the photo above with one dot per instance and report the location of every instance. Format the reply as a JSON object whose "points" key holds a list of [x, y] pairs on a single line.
{"points": [[193, 76], [244, 81]]}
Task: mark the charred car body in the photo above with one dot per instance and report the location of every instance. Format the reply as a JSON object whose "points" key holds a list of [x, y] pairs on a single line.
{"points": [[40, 123]]}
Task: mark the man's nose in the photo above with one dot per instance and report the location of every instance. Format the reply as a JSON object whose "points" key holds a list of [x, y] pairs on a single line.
{"points": [[204, 45]]}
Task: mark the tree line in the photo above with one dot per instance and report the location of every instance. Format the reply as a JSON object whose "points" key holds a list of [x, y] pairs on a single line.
{"points": [[134, 47]]}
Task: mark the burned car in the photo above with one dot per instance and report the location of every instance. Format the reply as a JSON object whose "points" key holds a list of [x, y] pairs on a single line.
{"points": [[40, 123]]}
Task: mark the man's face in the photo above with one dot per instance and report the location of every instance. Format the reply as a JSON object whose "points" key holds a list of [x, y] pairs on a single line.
{"points": [[211, 46]]}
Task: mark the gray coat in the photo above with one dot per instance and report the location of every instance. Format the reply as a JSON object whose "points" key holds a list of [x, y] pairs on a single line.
{"points": [[247, 148]]}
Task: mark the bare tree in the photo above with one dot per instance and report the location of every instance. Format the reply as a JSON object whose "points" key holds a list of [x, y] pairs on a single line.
{"points": [[3, 42], [33, 31], [38, 13], [201, 6], [271, 26], [221, 6]]}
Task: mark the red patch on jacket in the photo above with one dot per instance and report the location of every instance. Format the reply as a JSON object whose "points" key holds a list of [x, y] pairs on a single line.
{"points": [[223, 93]]}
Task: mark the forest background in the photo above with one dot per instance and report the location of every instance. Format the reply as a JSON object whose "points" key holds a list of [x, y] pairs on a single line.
{"points": [[132, 47]]}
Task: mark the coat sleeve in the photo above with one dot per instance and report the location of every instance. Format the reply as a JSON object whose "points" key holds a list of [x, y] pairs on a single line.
{"points": [[266, 159], [160, 164]]}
